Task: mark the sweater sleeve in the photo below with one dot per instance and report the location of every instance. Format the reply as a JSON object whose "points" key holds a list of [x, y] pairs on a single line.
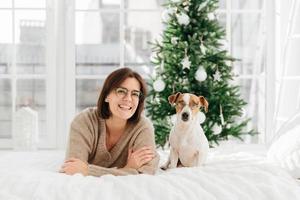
{"points": [[146, 138], [80, 139]]}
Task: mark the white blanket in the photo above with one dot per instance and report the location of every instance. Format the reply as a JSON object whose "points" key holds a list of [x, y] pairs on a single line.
{"points": [[240, 175]]}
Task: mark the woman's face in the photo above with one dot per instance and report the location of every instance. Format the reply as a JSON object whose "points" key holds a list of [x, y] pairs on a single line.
{"points": [[123, 100]]}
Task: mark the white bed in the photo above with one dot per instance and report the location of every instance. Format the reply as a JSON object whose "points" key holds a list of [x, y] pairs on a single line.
{"points": [[232, 172]]}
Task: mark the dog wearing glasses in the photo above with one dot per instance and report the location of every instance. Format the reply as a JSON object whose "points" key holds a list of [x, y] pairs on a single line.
{"points": [[188, 143]]}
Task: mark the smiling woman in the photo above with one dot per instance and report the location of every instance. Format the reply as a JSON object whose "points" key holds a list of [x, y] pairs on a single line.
{"points": [[113, 138]]}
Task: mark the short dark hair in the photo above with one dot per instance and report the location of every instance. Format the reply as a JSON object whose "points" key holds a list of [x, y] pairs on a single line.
{"points": [[113, 81]]}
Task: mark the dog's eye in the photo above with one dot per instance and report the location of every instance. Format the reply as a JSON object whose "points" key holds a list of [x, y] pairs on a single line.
{"points": [[180, 104], [194, 106]]}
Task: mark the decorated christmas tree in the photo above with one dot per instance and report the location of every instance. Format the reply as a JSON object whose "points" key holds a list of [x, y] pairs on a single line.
{"points": [[192, 57]]}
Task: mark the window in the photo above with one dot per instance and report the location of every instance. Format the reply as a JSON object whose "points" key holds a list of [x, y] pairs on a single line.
{"points": [[24, 55]]}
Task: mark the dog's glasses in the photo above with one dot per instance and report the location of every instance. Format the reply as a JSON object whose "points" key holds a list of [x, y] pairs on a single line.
{"points": [[123, 92]]}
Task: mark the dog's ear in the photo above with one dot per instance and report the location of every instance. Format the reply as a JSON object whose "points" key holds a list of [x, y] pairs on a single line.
{"points": [[172, 98], [204, 103]]}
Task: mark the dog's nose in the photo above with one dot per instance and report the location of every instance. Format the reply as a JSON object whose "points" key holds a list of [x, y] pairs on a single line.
{"points": [[185, 116]]}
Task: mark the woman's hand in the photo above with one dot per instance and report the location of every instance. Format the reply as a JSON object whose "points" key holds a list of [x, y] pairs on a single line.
{"points": [[140, 157], [73, 166]]}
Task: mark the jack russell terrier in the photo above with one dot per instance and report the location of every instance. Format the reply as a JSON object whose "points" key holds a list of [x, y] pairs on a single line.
{"points": [[189, 145]]}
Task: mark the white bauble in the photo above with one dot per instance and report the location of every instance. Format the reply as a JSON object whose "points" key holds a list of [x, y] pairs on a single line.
{"points": [[159, 85], [201, 117], [217, 129], [201, 74], [183, 19]]}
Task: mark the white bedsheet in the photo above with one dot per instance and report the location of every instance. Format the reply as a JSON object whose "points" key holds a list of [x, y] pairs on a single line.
{"points": [[227, 175]]}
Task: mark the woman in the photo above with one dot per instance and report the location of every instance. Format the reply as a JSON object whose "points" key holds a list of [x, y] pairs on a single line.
{"points": [[114, 137]]}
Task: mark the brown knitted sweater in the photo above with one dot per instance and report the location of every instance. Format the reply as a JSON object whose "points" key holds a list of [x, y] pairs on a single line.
{"points": [[87, 141]]}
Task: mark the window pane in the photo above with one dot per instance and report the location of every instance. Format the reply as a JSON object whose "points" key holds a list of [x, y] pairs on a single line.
{"points": [[5, 4], [138, 34], [136, 4], [33, 93], [96, 4], [253, 92], [5, 108], [97, 48], [247, 4], [247, 43], [30, 3], [6, 26], [289, 100], [5, 41], [87, 93], [30, 38]]}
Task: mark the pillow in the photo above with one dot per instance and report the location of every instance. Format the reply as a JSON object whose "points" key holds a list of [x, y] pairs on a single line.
{"points": [[285, 151]]}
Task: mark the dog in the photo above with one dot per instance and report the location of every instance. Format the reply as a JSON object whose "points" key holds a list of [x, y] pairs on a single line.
{"points": [[188, 143]]}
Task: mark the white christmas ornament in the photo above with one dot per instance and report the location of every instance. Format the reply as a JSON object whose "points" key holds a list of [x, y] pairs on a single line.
{"points": [[186, 63], [201, 117], [217, 76], [183, 19], [159, 85], [174, 40], [201, 74], [217, 129]]}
